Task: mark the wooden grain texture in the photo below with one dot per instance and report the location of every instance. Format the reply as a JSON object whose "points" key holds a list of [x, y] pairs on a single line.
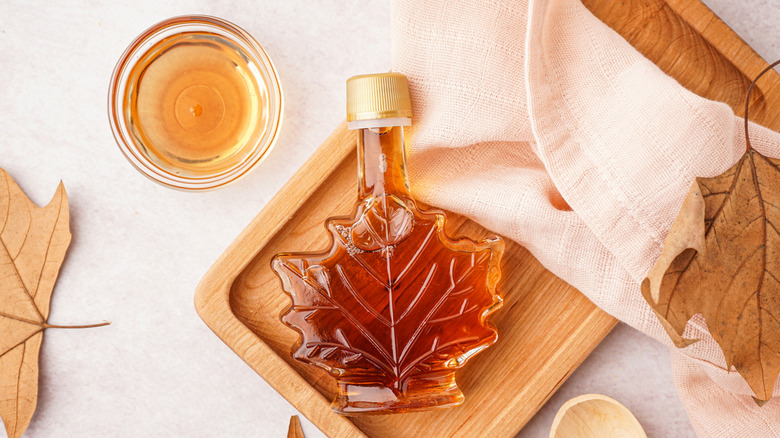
{"points": [[546, 327], [595, 416], [690, 43]]}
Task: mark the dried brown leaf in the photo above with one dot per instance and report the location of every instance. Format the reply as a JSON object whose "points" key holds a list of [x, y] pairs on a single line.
{"points": [[33, 242], [295, 430], [722, 259]]}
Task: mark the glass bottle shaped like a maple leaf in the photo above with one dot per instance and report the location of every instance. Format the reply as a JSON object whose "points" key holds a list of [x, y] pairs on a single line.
{"points": [[395, 306]]}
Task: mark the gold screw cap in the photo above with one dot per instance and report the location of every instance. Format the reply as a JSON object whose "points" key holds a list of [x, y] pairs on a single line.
{"points": [[378, 96]]}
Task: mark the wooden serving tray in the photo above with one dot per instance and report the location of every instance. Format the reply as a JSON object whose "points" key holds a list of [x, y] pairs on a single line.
{"points": [[546, 327]]}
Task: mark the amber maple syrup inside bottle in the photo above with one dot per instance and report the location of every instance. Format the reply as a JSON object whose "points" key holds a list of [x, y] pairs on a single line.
{"points": [[394, 306], [196, 104]]}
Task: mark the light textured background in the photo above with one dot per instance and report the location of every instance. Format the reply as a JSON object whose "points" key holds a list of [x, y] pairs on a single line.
{"points": [[139, 249]]}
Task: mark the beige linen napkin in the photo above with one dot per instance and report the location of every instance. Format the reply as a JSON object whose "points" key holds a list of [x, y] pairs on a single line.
{"points": [[544, 125]]}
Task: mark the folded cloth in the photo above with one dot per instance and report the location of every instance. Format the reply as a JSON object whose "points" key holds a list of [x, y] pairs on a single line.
{"points": [[541, 123]]}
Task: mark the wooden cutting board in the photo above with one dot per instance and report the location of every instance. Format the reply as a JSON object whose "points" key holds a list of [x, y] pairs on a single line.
{"points": [[546, 327]]}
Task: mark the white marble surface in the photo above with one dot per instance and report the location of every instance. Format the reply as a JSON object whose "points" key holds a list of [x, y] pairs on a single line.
{"points": [[139, 249]]}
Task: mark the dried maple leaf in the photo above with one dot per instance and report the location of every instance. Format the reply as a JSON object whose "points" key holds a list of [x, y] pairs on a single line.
{"points": [[722, 259], [33, 242], [295, 430], [395, 301]]}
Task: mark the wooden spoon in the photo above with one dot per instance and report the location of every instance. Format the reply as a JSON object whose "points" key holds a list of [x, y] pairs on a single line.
{"points": [[595, 416]]}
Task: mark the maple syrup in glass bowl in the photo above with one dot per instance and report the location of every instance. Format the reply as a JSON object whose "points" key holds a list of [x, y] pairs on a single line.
{"points": [[195, 103]]}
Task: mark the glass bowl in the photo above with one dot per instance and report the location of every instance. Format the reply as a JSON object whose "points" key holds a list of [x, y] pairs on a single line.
{"points": [[141, 135]]}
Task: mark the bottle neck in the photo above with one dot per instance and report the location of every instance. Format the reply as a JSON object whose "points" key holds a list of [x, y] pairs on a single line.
{"points": [[382, 162]]}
